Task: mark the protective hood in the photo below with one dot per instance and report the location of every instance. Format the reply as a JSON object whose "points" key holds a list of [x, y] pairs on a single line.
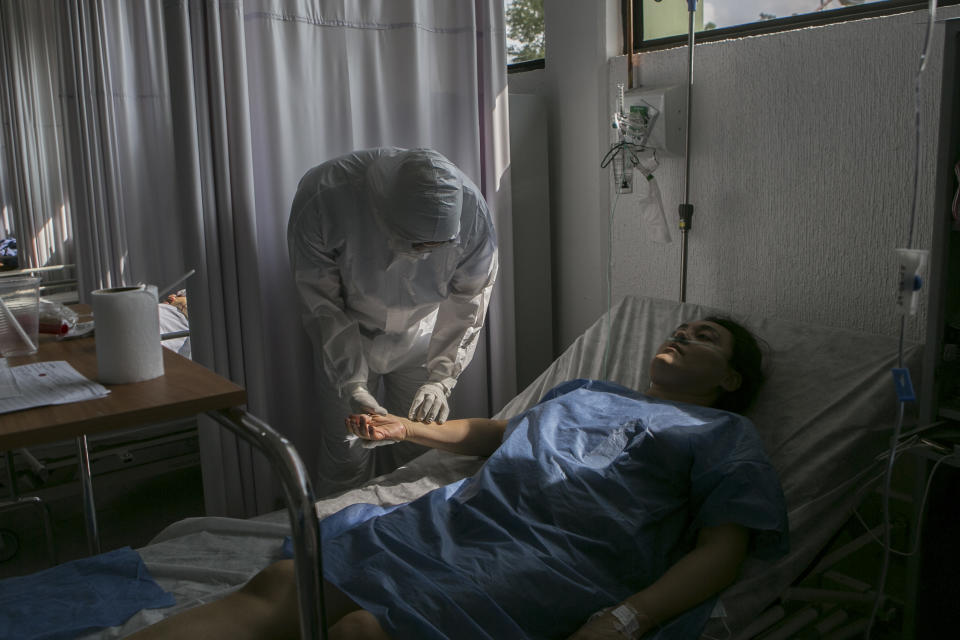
{"points": [[417, 195]]}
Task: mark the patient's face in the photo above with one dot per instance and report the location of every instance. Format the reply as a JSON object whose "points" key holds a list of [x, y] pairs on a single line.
{"points": [[695, 358]]}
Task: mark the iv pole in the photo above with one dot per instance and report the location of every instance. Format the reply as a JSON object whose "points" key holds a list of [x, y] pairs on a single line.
{"points": [[686, 209]]}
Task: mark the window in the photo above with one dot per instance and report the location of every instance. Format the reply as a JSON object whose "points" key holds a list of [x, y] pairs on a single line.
{"points": [[525, 43], [665, 22]]}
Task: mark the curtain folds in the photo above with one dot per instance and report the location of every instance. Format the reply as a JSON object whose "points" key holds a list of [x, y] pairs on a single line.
{"points": [[90, 111], [33, 191], [494, 144], [331, 76], [190, 123], [211, 121]]}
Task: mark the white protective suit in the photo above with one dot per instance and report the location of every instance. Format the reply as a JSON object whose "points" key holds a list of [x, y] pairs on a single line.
{"points": [[378, 311]]}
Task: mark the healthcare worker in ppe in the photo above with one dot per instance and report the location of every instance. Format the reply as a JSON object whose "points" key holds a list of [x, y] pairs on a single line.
{"points": [[394, 256]]}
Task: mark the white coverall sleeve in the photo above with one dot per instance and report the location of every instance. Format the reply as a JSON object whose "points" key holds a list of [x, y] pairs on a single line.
{"points": [[335, 335], [461, 316]]}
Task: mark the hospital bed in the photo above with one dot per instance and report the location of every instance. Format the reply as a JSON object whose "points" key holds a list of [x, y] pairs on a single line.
{"points": [[826, 415]]}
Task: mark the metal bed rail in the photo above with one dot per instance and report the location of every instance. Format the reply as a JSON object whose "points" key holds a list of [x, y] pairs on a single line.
{"points": [[301, 506]]}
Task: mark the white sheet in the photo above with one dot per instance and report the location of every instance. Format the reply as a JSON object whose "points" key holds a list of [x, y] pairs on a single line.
{"points": [[171, 321], [828, 408]]}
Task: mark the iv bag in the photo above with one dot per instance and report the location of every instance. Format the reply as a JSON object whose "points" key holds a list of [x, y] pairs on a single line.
{"points": [[652, 218]]}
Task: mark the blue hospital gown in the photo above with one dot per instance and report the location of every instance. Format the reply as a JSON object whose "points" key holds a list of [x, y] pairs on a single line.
{"points": [[593, 494]]}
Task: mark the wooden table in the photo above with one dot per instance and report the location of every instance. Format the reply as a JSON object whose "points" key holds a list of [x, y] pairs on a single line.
{"points": [[185, 389]]}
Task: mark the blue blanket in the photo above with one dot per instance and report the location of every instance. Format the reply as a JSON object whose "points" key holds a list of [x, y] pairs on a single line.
{"points": [[593, 494], [78, 597]]}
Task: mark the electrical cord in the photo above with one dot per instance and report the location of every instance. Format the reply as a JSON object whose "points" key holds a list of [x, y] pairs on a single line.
{"points": [[606, 347], [923, 502], [622, 147], [885, 506]]}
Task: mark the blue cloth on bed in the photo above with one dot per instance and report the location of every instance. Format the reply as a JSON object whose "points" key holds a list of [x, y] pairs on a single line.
{"points": [[78, 597], [593, 494]]}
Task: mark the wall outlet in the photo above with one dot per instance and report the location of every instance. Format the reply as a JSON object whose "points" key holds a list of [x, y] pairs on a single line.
{"points": [[667, 133]]}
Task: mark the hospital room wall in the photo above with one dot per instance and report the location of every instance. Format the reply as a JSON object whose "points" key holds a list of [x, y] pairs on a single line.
{"points": [[801, 169], [581, 37]]}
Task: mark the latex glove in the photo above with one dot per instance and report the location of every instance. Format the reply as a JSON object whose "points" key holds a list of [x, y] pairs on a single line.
{"points": [[430, 403], [362, 401]]}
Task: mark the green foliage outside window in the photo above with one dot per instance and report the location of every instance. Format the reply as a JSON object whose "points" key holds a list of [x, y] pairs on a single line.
{"points": [[524, 30]]}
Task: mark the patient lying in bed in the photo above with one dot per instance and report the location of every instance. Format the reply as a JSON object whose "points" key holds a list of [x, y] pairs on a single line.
{"points": [[601, 512], [174, 319]]}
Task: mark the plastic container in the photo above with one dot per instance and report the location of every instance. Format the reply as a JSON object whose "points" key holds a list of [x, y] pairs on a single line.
{"points": [[19, 315]]}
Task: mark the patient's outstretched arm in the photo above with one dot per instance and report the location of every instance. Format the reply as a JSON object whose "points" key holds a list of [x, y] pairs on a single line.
{"points": [[709, 567], [468, 436]]}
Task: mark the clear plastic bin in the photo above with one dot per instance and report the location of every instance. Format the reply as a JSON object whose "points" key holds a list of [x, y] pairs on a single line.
{"points": [[19, 315]]}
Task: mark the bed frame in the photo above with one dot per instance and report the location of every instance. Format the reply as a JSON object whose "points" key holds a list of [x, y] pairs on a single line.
{"points": [[828, 413]]}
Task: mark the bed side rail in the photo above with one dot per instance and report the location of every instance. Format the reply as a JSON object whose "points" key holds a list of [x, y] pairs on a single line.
{"points": [[301, 506]]}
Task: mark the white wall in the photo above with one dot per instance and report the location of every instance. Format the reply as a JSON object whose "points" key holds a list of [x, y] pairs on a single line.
{"points": [[801, 170], [530, 195], [581, 37], [801, 173]]}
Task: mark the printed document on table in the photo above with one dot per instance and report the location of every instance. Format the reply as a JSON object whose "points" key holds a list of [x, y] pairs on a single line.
{"points": [[54, 382], [8, 386]]}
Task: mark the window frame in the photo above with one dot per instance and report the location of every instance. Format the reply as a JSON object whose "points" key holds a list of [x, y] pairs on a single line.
{"points": [[526, 65], [634, 9]]}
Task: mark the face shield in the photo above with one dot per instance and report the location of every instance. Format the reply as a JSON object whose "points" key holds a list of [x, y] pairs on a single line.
{"points": [[417, 197]]}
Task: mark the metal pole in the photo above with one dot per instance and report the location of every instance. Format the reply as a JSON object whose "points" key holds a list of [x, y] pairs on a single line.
{"points": [[16, 500], [690, 44], [683, 264], [86, 486], [686, 209], [301, 506]]}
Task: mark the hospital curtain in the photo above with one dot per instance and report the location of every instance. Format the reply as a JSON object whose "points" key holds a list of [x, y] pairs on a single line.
{"points": [[187, 125], [86, 173], [324, 78], [34, 206]]}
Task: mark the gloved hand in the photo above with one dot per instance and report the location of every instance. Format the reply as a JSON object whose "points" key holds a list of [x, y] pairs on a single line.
{"points": [[430, 403], [362, 401]]}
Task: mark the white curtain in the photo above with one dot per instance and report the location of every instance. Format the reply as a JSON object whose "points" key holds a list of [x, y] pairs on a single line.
{"points": [[33, 194], [193, 122], [328, 77]]}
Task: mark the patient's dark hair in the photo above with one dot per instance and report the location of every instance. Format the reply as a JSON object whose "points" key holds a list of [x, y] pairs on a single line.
{"points": [[747, 360]]}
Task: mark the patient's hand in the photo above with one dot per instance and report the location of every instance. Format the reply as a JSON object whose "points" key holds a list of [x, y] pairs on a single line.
{"points": [[377, 427], [180, 302]]}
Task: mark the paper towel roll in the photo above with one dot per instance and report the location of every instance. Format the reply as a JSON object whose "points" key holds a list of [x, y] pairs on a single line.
{"points": [[127, 334]]}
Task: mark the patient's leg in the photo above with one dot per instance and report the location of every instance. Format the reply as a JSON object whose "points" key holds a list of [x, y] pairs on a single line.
{"points": [[265, 607]]}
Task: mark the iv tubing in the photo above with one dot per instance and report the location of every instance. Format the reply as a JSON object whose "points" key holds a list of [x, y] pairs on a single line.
{"points": [[885, 496], [685, 223]]}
